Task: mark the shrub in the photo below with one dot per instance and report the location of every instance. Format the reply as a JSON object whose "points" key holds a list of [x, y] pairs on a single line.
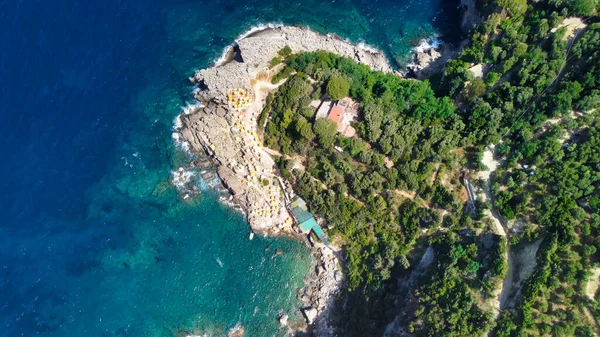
{"points": [[275, 61]]}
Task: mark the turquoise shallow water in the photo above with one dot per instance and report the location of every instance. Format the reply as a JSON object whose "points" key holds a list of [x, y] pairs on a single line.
{"points": [[94, 241]]}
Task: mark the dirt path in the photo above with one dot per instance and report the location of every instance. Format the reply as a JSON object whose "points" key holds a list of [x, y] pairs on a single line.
{"points": [[592, 284], [406, 194], [261, 89], [500, 295], [572, 25]]}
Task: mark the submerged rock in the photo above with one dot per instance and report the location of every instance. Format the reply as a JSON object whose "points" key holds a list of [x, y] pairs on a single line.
{"points": [[237, 331]]}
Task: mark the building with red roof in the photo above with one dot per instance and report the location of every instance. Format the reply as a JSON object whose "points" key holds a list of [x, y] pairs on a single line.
{"points": [[335, 114]]}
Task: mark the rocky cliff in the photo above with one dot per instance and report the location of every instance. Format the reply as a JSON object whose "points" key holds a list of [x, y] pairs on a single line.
{"points": [[254, 52]]}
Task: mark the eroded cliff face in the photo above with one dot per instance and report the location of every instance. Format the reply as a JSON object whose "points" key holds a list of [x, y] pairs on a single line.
{"points": [[470, 16], [432, 60]]}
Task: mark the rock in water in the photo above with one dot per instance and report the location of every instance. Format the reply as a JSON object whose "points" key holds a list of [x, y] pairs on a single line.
{"points": [[237, 331], [310, 313]]}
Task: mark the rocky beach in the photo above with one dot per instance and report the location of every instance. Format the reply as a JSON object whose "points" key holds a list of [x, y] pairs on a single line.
{"points": [[223, 125]]}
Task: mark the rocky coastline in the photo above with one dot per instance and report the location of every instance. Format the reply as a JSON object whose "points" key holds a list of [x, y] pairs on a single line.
{"points": [[430, 56], [229, 136]]}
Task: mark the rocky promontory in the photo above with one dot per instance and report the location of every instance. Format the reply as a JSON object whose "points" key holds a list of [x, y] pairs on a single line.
{"points": [[223, 125]]}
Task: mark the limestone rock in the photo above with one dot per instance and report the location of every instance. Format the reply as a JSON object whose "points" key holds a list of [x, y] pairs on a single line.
{"points": [[283, 320], [422, 60], [258, 49], [310, 314]]}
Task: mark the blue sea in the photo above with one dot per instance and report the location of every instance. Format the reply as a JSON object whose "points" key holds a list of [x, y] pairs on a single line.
{"points": [[94, 239]]}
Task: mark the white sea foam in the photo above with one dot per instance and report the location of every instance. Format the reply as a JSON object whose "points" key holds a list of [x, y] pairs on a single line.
{"points": [[368, 48], [236, 329], [223, 56], [258, 28], [192, 107], [360, 45], [181, 144], [432, 42], [202, 185], [181, 177], [177, 122]]}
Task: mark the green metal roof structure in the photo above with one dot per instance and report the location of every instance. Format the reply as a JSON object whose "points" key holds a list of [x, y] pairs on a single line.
{"points": [[300, 211], [309, 224], [305, 219]]}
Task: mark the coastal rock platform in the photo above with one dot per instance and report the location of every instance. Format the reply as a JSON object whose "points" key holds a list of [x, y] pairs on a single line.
{"points": [[258, 49], [227, 132]]}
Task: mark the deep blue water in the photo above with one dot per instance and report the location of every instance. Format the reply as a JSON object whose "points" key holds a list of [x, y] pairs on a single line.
{"points": [[94, 240]]}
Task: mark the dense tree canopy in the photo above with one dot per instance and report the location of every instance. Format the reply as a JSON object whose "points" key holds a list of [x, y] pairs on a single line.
{"points": [[337, 87], [514, 7], [397, 186]]}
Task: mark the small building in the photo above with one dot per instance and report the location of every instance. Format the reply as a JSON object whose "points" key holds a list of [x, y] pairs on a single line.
{"points": [[300, 212], [323, 110], [343, 114], [335, 114], [305, 219], [320, 234]]}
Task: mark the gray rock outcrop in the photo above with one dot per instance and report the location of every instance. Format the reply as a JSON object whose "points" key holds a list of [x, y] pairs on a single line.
{"points": [[310, 314], [258, 49]]}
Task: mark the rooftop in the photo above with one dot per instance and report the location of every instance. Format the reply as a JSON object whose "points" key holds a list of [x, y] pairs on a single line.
{"points": [[323, 110], [335, 114], [300, 211]]}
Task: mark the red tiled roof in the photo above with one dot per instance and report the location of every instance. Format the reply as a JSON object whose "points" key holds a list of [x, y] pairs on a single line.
{"points": [[335, 114]]}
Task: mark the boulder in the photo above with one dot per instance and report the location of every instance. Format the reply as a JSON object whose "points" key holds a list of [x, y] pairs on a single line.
{"points": [[310, 314], [283, 319]]}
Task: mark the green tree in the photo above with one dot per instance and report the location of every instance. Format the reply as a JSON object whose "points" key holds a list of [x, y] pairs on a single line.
{"points": [[514, 7], [325, 129], [475, 89], [285, 51], [492, 78], [373, 119], [577, 7], [304, 128], [337, 87], [583, 7]]}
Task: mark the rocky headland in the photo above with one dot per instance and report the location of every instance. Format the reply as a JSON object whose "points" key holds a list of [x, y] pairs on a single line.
{"points": [[227, 132], [230, 136]]}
